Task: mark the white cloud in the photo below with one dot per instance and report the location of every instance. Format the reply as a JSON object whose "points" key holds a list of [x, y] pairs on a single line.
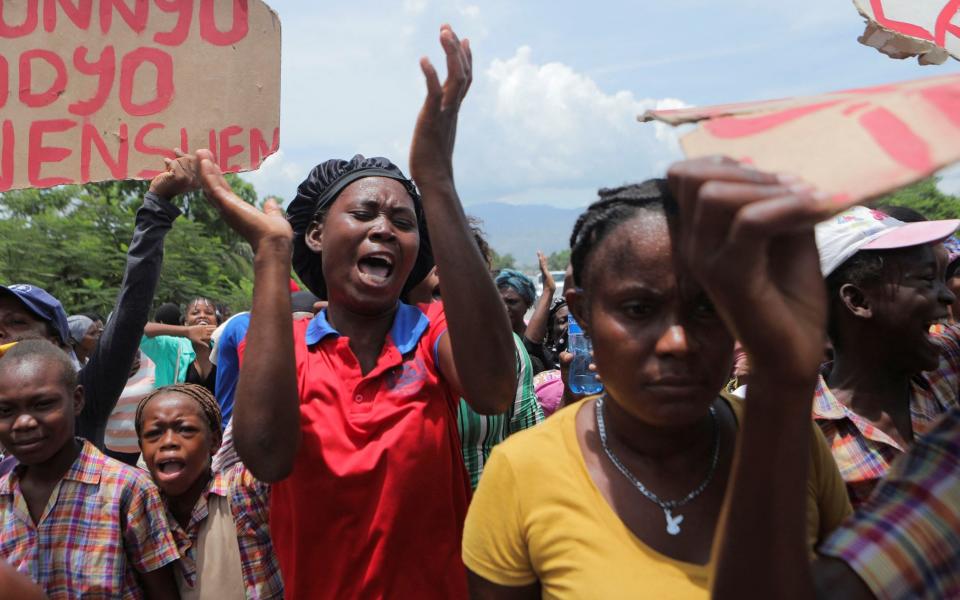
{"points": [[277, 176], [548, 125], [414, 7], [470, 10]]}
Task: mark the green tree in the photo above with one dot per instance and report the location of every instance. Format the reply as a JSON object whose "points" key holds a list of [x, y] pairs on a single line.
{"points": [[72, 240], [505, 261], [926, 198], [558, 261]]}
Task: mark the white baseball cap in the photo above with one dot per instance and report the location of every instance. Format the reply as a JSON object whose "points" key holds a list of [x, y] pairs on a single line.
{"points": [[862, 228]]}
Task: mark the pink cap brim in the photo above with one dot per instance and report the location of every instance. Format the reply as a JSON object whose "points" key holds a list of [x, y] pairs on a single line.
{"points": [[914, 234]]}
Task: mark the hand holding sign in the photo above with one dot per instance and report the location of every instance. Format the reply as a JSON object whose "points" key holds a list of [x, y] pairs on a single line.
{"points": [[179, 177]]}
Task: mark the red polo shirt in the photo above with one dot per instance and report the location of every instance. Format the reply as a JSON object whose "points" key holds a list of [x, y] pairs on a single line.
{"points": [[374, 507]]}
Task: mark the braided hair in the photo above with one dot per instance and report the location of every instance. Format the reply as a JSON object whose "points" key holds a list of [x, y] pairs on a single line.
{"points": [[203, 397], [615, 206]]}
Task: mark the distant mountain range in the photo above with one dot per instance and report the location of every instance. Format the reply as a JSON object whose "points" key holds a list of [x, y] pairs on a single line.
{"points": [[522, 229]]}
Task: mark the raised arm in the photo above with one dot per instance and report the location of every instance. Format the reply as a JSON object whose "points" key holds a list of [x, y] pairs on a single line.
{"points": [[748, 236], [105, 375], [266, 412], [477, 356], [537, 327]]}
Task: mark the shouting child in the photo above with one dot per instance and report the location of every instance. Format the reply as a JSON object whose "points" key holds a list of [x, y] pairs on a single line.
{"points": [[223, 516]]}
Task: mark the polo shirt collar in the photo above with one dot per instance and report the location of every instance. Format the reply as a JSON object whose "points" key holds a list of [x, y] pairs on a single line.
{"points": [[409, 324]]}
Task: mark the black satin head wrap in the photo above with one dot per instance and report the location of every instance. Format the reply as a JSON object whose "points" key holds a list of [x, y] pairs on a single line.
{"points": [[317, 193]]}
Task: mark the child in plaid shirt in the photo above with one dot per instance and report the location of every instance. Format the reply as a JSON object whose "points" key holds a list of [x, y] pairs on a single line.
{"points": [[220, 517], [77, 522]]}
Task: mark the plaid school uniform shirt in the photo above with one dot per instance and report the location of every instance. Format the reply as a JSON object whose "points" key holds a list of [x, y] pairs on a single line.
{"points": [[863, 452], [904, 541], [249, 501], [104, 522]]}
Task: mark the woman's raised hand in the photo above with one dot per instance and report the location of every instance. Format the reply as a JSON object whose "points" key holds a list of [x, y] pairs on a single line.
{"points": [[549, 284], [431, 153], [254, 225], [748, 237]]}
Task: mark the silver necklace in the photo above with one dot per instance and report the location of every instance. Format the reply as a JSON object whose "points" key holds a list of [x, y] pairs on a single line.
{"points": [[668, 506]]}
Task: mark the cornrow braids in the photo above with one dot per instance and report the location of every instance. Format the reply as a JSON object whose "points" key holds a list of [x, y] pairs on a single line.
{"points": [[615, 206], [203, 397]]}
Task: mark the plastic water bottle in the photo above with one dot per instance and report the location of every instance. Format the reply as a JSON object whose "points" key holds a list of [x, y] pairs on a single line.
{"points": [[580, 378]]}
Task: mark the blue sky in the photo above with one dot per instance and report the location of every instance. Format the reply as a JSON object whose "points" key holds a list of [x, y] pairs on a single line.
{"points": [[557, 87]]}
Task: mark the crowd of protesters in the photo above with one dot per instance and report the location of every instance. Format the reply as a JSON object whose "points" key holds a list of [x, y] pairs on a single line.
{"points": [[779, 415]]}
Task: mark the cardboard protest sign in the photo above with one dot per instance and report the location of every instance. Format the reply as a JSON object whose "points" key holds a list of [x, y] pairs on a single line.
{"points": [[927, 29], [855, 144], [104, 89]]}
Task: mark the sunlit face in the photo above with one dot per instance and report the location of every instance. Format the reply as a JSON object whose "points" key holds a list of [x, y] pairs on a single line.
{"points": [[368, 241], [661, 349], [913, 297], [176, 442], [37, 410], [201, 312]]}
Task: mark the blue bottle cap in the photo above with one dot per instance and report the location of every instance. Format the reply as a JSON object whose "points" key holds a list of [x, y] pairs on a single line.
{"points": [[572, 325]]}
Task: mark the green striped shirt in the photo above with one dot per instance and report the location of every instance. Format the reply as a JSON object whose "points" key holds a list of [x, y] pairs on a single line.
{"points": [[480, 433]]}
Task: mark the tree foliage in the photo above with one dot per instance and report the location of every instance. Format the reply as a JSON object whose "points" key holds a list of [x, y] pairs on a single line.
{"points": [[925, 198], [504, 261], [558, 261], [72, 241]]}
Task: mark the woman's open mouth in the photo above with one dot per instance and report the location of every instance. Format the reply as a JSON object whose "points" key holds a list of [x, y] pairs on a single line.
{"points": [[376, 268]]}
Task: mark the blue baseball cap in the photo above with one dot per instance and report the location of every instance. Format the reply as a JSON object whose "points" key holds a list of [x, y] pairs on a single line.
{"points": [[43, 305]]}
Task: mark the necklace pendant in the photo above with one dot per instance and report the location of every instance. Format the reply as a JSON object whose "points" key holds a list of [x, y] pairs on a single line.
{"points": [[673, 522]]}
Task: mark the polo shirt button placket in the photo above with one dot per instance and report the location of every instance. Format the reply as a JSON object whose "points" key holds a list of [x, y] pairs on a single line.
{"points": [[358, 398]]}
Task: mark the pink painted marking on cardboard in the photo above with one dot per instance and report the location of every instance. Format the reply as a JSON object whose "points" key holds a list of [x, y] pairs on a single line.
{"points": [[899, 26], [943, 23], [896, 138], [946, 99], [854, 108], [734, 127]]}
